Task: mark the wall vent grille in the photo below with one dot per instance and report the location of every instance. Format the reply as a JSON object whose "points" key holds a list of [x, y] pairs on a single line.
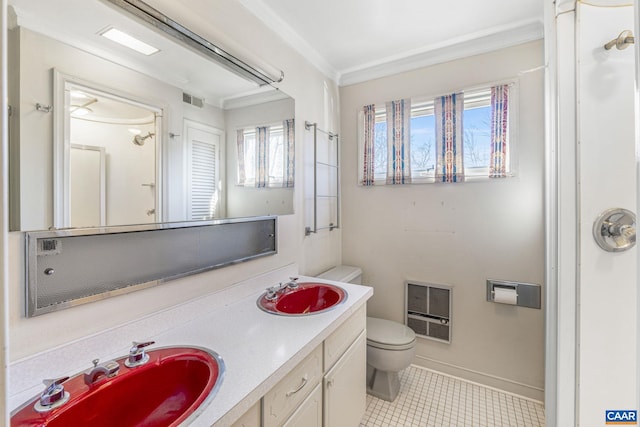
{"points": [[428, 310], [192, 100]]}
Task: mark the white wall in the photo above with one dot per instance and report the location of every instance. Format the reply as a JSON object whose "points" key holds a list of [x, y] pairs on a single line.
{"points": [[313, 254], [4, 221], [457, 234], [128, 166]]}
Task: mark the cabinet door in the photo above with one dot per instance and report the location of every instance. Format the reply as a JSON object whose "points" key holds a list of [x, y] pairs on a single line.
{"points": [[251, 418], [309, 413], [345, 387]]}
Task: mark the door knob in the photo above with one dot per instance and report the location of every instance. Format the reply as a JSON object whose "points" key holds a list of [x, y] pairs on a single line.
{"points": [[615, 230]]}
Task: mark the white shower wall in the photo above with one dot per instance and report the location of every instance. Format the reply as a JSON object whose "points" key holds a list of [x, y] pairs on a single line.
{"points": [[607, 297]]}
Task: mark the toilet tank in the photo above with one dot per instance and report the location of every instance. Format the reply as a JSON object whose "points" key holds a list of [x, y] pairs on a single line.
{"points": [[343, 273]]}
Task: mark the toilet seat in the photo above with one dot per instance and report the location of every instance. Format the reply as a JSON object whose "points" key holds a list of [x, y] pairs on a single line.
{"points": [[388, 335]]}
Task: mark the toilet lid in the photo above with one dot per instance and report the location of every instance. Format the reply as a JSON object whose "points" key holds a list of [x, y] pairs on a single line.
{"points": [[385, 333]]}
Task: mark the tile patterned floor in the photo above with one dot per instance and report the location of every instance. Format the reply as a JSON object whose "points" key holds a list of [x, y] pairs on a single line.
{"points": [[430, 399]]}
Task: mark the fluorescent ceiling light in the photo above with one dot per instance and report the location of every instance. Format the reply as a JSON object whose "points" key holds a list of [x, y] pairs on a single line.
{"points": [[129, 41], [79, 110]]}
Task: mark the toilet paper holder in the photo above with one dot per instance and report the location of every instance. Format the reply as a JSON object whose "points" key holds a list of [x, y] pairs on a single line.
{"points": [[527, 294]]}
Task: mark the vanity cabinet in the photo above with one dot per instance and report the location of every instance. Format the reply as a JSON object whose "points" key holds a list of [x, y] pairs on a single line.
{"points": [[251, 418], [327, 387], [286, 396], [344, 395], [309, 413]]}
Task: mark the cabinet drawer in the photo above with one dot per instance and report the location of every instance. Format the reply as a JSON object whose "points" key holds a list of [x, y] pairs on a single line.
{"points": [[287, 395], [341, 339]]}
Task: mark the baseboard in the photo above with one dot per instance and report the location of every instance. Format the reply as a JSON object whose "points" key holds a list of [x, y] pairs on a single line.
{"points": [[521, 390]]}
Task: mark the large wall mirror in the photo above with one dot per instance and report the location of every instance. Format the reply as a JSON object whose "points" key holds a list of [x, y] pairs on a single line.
{"points": [[105, 135]]}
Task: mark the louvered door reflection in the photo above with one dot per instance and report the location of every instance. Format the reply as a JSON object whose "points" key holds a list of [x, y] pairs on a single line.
{"points": [[204, 147]]}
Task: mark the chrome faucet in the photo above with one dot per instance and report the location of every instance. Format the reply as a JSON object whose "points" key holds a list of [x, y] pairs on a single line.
{"points": [[52, 396], [272, 292], [137, 355], [293, 283], [103, 370]]}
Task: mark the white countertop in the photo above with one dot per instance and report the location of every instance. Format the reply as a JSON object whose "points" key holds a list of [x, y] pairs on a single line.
{"points": [[258, 348]]}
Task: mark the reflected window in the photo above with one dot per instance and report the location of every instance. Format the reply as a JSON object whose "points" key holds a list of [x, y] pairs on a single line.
{"points": [[265, 155]]}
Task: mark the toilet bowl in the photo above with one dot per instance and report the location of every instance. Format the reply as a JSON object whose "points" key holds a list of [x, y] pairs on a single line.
{"points": [[390, 345], [390, 349]]}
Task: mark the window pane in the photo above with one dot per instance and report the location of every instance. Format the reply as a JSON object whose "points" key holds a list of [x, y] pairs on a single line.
{"points": [[423, 147], [380, 148], [276, 155], [250, 157], [477, 137]]}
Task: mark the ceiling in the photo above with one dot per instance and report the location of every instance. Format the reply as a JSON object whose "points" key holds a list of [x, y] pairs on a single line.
{"points": [[82, 23], [356, 40]]}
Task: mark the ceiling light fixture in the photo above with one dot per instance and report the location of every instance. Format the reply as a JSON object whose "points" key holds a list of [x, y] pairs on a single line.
{"points": [[190, 39], [129, 41]]}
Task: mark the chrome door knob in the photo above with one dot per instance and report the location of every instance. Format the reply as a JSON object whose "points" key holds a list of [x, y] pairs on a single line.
{"points": [[615, 230]]}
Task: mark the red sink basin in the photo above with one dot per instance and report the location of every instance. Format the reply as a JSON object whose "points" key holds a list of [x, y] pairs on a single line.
{"points": [[164, 392], [308, 298]]}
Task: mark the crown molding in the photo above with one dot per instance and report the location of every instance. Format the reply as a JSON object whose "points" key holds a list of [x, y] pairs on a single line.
{"points": [[469, 45], [290, 36], [495, 38]]}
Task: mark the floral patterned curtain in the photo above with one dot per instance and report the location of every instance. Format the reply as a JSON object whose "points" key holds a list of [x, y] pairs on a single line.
{"points": [[398, 135], [499, 131], [449, 153], [242, 175], [369, 143], [289, 152], [262, 141]]}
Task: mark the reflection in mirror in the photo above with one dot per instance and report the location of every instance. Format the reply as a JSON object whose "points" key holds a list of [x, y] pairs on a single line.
{"points": [[68, 170], [106, 174]]}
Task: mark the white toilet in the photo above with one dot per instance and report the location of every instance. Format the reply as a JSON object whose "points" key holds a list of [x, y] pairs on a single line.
{"points": [[390, 345]]}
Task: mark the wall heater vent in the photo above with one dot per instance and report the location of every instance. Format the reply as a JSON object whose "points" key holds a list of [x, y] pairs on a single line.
{"points": [[428, 310], [49, 246], [193, 100]]}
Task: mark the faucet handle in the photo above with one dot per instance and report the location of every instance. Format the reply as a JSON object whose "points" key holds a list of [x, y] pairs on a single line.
{"points": [[272, 292], [137, 356], [53, 395], [293, 284], [138, 347]]}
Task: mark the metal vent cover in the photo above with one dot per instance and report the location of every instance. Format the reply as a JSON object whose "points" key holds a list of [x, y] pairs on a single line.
{"points": [[192, 100]]}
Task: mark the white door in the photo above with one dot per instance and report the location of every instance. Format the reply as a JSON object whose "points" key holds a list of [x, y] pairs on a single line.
{"points": [[596, 299], [204, 143], [87, 179]]}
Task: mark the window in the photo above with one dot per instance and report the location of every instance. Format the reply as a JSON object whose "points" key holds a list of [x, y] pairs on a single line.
{"points": [[269, 165], [476, 136]]}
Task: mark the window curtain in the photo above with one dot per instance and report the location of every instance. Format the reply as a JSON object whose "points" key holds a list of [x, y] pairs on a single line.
{"points": [[369, 144], [289, 152], [499, 131], [398, 135], [449, 154], [242, 174], [262, 152]]}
